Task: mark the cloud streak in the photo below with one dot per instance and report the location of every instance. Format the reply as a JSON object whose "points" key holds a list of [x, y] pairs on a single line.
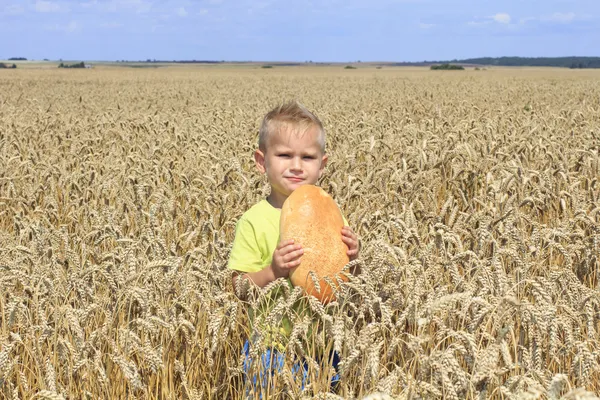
{"points": [[119, 6], [43, 6], [12, 9], [559, 17], [502, 18], [71, 27], [111, 25]]}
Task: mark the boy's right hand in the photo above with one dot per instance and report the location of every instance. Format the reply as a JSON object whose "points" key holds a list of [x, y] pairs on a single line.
{"points": [[285, 257]]}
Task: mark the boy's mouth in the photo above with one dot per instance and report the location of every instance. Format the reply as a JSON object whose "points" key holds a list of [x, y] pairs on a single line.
{"points": [[295, 179]]}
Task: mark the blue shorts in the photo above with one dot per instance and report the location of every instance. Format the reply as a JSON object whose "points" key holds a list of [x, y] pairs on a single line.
{"points": [[273, 360]]}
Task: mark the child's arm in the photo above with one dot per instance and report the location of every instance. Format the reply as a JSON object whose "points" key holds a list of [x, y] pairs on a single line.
{"points": [[285, 257]]}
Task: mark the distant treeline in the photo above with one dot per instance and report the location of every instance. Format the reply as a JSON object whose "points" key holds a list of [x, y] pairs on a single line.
{"points": [[3, 65], [566, 62], [447, 66], [77, 65]]}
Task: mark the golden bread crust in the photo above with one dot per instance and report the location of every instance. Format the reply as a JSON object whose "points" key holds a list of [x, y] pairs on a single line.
{"points": [[312, 219]]}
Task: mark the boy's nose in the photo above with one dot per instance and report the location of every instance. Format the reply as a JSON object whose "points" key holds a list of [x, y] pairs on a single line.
{"points": [[296, 163]]}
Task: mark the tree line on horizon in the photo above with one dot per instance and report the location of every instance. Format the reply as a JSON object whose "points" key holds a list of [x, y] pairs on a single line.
{"points": [[76, 65], [565, 62]]}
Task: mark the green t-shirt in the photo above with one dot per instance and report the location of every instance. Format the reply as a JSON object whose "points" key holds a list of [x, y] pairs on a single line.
{"points": [[256, 238]]}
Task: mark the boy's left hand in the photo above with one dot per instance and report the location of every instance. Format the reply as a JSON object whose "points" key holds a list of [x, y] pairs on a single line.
{"points": [[351, 240]]}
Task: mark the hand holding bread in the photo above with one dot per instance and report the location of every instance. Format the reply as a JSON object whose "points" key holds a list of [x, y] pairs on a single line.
{"points": [[285, 257], [351, 240]]}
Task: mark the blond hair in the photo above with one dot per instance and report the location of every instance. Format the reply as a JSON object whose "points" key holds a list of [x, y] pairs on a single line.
{"points": [[289, 115]]}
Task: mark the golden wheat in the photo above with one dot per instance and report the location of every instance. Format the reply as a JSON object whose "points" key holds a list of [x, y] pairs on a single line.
{"points": [[475, 195]]}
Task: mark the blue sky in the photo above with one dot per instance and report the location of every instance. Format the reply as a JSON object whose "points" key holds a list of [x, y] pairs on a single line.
{"points": [[270, 30]]}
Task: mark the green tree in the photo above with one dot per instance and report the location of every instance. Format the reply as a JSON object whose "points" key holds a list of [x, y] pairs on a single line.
{"points": [[447, 66]]}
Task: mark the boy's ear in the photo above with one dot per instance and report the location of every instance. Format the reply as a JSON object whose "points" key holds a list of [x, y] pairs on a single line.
{"points": [[323, 164], [259, 159]]}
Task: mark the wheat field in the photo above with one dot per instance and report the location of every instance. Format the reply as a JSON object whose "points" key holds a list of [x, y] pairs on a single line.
{"points": [[475, 195]]}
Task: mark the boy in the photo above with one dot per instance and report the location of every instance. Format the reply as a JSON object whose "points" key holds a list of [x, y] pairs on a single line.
{"points": [[291, 153]]}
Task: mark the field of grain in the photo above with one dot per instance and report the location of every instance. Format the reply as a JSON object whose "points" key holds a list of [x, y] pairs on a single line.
{"points": [[475, 194]]}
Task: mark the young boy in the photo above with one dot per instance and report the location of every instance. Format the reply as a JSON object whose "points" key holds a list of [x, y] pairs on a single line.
{"points": [[291, 153]]}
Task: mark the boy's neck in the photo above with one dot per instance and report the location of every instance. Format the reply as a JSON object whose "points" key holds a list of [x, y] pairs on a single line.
{"points": [[275, 201]]}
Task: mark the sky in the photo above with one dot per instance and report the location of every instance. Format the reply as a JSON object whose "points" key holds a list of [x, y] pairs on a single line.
{"points": [[310, 30]]}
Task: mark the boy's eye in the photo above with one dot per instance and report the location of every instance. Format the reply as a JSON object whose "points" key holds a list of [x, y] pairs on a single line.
{"points": [[284, 155], [309, 157]]}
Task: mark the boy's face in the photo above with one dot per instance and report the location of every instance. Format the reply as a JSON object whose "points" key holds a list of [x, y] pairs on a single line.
{"points": [[291, 160]]}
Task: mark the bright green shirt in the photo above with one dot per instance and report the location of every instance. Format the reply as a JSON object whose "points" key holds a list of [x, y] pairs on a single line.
{"points": [[256, 238]]}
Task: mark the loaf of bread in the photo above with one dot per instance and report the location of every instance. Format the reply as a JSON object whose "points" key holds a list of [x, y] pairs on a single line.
{"points": [[312, 219]]}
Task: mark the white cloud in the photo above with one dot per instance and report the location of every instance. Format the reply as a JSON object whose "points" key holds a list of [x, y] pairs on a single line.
{"points": [[181, 12], [89, 4], [111, 25], [478, 23], [69, 28], [559, 17], [203, 11], [527, 19], [72, 27], [425, 26], [13, 9], [43, 6], [138, 6], [502, 18]]}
